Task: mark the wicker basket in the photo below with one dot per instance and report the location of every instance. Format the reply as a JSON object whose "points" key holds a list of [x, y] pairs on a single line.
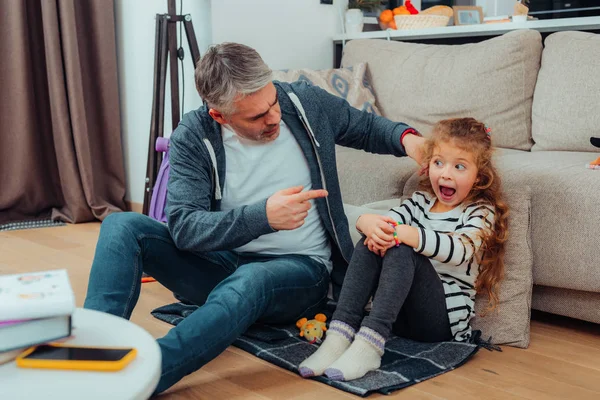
{"points": [[420, 21]]}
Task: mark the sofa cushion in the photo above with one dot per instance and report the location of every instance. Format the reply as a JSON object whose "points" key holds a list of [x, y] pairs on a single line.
{"points": [[509, 323], [420, 84], [566, 104], [366, 177], [350, 83], [565, 208]]}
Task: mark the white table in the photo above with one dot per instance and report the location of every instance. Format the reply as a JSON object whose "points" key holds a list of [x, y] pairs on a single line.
{"points": [[91, 328]]}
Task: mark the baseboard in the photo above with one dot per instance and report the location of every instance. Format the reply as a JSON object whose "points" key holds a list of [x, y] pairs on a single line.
{"points": [[135, 207]]}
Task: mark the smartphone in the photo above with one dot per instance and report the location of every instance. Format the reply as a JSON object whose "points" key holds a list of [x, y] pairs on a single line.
{"points": [[64, 356]]}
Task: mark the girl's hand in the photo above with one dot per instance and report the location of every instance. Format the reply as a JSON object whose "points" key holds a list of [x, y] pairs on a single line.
{"points": [[409, 235], [384, 250], [377, 228], [377, 249]]}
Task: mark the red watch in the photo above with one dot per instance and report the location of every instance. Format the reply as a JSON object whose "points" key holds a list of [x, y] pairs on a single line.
{"points": [[409, 131]]}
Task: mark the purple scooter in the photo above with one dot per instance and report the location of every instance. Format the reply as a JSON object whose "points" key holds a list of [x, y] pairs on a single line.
{"points": [[159, 195]]}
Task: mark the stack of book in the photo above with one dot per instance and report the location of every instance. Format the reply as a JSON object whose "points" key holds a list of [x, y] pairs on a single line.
{"points": [[35, 308]]}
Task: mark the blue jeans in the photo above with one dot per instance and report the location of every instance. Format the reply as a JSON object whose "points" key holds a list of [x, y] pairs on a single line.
{"points": [[234, 290]]}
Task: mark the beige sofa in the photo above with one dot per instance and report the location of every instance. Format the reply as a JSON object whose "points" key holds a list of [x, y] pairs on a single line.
{"points": [[542, 102]]}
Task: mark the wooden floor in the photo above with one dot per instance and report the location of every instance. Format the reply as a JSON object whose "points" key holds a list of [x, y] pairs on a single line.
{"points": [[563, 361]]}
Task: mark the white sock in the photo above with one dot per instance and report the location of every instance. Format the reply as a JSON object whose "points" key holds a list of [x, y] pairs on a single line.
{"points": [[362, 356], [338, 339]]}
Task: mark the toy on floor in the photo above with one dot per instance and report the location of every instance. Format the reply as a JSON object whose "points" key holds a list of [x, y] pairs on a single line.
{"points": [[312, 330], [147, 278], [596, 163]]}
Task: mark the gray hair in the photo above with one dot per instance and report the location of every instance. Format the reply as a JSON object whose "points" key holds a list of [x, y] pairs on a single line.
{"points": [[228, 70]]}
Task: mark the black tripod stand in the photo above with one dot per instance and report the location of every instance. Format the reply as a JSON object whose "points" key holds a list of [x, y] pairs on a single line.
{"points": [[166, 48]]}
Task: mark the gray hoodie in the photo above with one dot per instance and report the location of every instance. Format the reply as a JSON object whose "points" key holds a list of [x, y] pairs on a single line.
{"points": [[318, 121]]}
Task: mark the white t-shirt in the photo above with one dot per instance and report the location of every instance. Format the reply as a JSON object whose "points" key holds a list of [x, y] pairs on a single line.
{"points": [[255, 171]]}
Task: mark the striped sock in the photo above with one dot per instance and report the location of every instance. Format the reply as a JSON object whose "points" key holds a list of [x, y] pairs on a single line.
{"points": [[338, 339], [372, 337], [362, 356]]}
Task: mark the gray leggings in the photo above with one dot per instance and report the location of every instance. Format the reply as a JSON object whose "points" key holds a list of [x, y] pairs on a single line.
{"points": [[409, 297]]}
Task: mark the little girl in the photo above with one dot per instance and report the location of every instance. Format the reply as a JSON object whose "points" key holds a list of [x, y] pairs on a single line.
{"points": [[425, 260]]}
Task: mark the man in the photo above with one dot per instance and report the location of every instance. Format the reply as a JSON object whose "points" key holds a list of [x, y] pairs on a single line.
{"points": [[256, 224]]}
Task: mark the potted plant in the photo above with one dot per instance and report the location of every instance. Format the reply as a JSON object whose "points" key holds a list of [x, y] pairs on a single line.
{"points": [[354, 14], [366, 5]]}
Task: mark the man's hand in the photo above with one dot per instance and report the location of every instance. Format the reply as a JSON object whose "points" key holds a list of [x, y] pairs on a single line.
{"points": [[376, 228], [287, 209], [413, 145]]}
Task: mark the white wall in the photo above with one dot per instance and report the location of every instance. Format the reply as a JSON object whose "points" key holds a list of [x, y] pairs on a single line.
{"points": [[286, 33], [135, 34]]}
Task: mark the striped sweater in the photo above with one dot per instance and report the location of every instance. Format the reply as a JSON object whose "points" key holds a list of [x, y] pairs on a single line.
{"points": [[450, 240]]}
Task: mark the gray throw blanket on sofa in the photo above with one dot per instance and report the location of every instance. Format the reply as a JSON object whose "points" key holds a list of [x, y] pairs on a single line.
{"points": [[404, 363]]}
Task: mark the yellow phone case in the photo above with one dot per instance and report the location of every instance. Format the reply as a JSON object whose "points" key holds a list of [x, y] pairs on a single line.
{"points": [[106, 366]]}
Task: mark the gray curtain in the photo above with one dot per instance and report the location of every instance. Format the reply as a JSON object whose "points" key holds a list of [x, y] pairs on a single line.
{"points": [[60, 138]]}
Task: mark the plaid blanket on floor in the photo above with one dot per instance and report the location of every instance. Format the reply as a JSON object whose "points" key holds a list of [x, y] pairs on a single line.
{"points": [[404, 363]]}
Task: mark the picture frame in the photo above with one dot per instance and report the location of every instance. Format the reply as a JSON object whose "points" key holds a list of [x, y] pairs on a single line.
{"points": [[467, 15]]}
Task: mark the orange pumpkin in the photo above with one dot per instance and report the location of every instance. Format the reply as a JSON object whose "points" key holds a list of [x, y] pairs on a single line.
{"points": [[386, 16], [402, 10]]}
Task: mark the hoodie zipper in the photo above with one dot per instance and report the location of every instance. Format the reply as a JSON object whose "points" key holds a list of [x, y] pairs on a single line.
{"points": [[215, 175], [315, 144]]}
